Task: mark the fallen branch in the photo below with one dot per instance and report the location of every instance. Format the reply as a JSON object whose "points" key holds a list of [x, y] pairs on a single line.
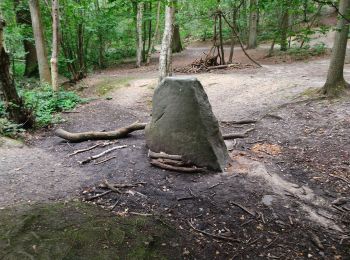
{"points": [[241, 122], [341, 178], [243, 208], [163, 155], [94, 157], [106, 160], [84, 150], [84, 136], [213, 235], [175, 168], [237, 135], [98, 195]]}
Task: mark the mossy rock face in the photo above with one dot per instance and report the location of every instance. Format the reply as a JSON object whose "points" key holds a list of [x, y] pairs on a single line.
{"points": [[81, 231], [183, 123]]}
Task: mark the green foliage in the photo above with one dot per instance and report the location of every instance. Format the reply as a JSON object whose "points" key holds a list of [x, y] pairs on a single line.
{"points": [[45, 104], [9, 129], [307, 51]]}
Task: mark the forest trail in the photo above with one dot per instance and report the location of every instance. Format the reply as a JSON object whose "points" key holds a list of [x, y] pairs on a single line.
{"points": [[297, 193]]}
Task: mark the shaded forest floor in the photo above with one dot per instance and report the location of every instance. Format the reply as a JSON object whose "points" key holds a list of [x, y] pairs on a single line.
{"points": [[280, 199]]}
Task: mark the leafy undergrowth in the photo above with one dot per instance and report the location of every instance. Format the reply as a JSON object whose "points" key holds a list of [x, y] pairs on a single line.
{"points": [[45, 104], [80, 231], [304, 53], [109, 85]]}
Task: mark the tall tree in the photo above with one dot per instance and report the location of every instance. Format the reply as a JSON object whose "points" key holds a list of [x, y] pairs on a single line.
{"points": [[284, 26], [336, 83], [253, 25], [44, 70], [165, 58], [139, 23], [177, 45], [155, 35], [55, 44], [14, 104], [23, 18]]}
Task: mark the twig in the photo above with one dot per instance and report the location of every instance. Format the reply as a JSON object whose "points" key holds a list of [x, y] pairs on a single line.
{"points": [[114, 205], [241, 122], [213, 235], [94, 157], [243, 208], [140, 214], [106, 160], [111, 187], [341, 178], [84, 150], [98, 195]]}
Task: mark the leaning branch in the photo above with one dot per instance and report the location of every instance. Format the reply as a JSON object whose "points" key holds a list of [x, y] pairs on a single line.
{"points": [[240, 41], [85, 136]]}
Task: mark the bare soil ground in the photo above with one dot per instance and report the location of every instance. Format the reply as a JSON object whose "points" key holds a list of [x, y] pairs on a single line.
{"points": [[278, 198]]}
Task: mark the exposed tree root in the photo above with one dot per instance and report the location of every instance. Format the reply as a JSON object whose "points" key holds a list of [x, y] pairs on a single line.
{"points": [[176, 168], [237, 135], [163, 155], [85, 136]]}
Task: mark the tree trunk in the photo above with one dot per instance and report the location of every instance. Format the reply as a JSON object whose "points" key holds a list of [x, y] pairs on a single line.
{"points": [[336, 83], [176, 45], [165, 58], [253, 25], [222, 59], [14, 104], [284, 28], [155, 35], [44, 70], [55, 44], [139, 23], [31, 61]]}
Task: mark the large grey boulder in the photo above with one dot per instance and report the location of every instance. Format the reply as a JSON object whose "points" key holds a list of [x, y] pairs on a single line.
{"points": [[183, 124]]}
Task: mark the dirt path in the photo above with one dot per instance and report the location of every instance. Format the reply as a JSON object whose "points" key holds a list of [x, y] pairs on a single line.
{"points": [[281, 174]]}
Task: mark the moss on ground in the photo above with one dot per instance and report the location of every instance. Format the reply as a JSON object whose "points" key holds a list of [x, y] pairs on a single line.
{"points": [[81, 231], [109, 85]]}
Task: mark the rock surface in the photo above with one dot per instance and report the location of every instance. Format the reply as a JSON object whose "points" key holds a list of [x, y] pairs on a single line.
{"points": [[183, 123]]}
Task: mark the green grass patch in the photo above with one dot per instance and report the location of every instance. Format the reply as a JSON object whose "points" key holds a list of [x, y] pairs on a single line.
{"points": [[80, 231], [109, 85]]}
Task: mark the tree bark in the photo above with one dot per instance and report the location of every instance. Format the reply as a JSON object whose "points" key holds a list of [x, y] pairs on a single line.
{"points": [[165, 59], [31, 61], [177, 45], [140, 7], [336, 83], [253, 25], [55, 44], [155, 35], [14, 104], [44, 70], [284, 28]]}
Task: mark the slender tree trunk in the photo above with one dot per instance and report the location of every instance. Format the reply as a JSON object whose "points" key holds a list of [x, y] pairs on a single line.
{"points": [[234, 17], [44, 70], [165, 59], [336, 83], [155, 35], [149, 28], [284, 28], [31, 61], [55, 44], [177, 45], [222, 60], [253, 25], [14, 104], [139, 23], [80, 51]]}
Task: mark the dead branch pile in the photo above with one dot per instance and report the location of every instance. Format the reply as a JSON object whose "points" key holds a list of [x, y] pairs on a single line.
{"points": [[202, 65]]}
